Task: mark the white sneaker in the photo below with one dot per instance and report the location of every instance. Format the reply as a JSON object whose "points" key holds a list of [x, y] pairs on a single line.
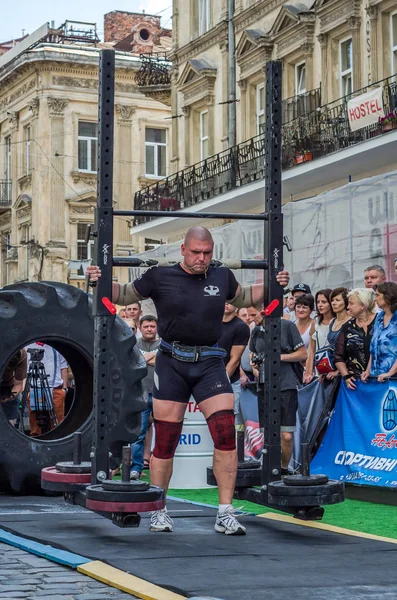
{"points": [[160, 521], [227, 523], [135, 475]]}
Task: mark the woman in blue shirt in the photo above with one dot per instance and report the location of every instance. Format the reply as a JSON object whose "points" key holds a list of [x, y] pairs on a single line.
{"points": [[383, 361]]}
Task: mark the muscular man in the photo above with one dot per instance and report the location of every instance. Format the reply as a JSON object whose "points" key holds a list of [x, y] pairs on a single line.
{"points": [[190, 298]]}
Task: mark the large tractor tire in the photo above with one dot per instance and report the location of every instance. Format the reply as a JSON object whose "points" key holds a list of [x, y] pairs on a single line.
{"points": [[61, 315]]}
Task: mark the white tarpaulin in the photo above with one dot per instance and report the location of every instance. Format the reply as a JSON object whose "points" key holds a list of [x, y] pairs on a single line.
{"points": [[334, 236], [365, 109]]}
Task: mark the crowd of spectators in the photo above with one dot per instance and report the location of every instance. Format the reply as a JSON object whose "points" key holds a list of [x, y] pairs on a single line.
{"points": [[335, 334]]}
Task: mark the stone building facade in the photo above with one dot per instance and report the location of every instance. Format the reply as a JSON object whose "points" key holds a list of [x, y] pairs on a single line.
{"points": [[48, 146], [336, 45], [329, 50]]}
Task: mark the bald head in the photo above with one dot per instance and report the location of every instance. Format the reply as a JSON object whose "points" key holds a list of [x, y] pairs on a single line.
{"points": [[199, 233], [197, 250]]}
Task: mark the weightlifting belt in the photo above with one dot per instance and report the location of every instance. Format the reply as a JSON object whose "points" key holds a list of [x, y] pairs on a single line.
{"points": [[191, 353]]}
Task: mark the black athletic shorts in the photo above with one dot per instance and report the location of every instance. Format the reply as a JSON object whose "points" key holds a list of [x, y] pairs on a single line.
{"points": [[289, 406], [176, 380]]}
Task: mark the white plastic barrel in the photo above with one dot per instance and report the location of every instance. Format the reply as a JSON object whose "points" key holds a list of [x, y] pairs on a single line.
{"points": [[194, 452]]}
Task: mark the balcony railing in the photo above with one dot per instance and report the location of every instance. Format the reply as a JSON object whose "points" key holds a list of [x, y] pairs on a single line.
{"points": [[5, 193], [310, 136], [301, 104], [155, 70]]}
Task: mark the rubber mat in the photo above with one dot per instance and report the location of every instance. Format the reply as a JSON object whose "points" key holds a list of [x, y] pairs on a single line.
{"points": [[272, 560]]}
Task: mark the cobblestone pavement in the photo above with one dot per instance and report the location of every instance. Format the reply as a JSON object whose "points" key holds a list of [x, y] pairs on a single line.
{"points": [[24, 575]]}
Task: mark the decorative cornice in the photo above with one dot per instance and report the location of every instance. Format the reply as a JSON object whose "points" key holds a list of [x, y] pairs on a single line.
{"points": [[213, 37], [254, 13], [87, 178], [89, 83], [339, 14], [57, 106], [24, 212], [287, 44], [25, 181], [16, 94], [75, 82], [82, 210], [259, 58], [34, 106]]}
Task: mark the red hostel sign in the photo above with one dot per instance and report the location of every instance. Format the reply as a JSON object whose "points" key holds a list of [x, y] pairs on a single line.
{"points": [[366, 109]]}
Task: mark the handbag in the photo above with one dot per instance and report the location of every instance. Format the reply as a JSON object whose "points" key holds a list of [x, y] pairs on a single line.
{"points": [[324, 358]]}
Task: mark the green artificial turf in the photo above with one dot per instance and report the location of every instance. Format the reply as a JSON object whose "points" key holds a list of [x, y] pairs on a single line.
{"points": [[377, 519]]}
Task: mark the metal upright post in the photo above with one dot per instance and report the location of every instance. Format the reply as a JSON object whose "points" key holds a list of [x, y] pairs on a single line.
{"points": [[103, 319], [273, 251]]}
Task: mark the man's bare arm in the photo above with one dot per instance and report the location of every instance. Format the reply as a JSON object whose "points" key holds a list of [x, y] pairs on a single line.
{"points": [[121, 293], [253, 295]]}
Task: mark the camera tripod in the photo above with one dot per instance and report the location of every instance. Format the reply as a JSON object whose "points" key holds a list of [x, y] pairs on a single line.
{"points": [[37, 394]]}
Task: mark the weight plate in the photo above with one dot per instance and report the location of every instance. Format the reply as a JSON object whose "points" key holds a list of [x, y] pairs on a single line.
{"points": [[249, 464], [115, 485], [70, 467], [96, 492], [125, 507], [305, 480], [61, 487], [51, 474], [317, 500], [245, 478], [278, 488]]}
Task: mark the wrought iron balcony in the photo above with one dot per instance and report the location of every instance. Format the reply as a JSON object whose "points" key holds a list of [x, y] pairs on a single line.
{"points": [[301, 104], [308, 137], [154, 71], [5, 193]]}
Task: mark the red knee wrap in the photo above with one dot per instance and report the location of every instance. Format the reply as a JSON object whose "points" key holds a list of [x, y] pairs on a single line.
{"points": [[222, 430], [167, 438]]}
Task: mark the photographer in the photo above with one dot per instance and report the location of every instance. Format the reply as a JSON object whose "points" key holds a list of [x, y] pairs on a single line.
{"points": [[12, 384], [293, 353]]}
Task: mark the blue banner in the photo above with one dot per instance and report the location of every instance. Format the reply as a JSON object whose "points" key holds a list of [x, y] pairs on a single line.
{"points": [[360, 445]]}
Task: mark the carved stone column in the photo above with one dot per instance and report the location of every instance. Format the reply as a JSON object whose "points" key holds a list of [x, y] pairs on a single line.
{"points": [[354, 25], [35, 158], [175, 24], [186, 111], [372, 12], [175, 121], [209, 100], [323, 39], [13, 126], [225, 93], [307, 49], [243, 108], [123, 171], [56, 191]]}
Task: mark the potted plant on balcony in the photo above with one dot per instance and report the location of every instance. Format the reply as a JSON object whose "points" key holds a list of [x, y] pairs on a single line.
{"points": [[302, 156], [389, 121]]}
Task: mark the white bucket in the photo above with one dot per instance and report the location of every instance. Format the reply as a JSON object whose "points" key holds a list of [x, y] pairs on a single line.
{"points": [[194, 452]]}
